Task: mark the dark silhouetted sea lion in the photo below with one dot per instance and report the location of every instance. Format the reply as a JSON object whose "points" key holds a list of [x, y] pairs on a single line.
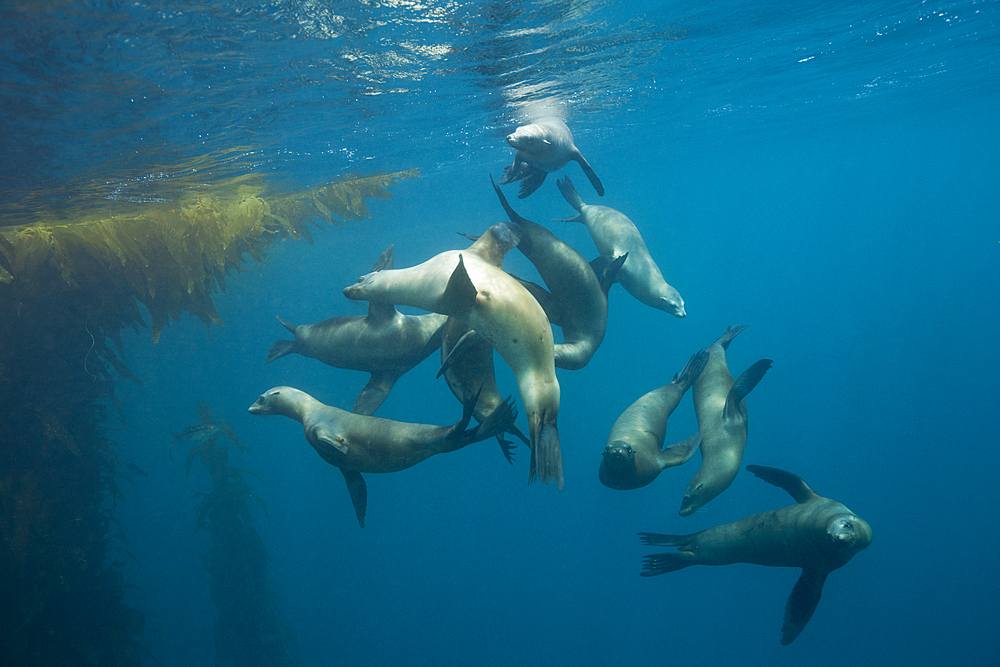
{"points": [[817, 534], [722, 421], [543, 146], [615, 235], [470, 285], [360, 443], [633, 456], [384, 342]]}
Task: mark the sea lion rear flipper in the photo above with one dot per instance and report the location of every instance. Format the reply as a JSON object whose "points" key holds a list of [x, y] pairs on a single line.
{"points": [[532, 180], [783, 479], [744, 384], [506, 448], [468, 339], [495, 424], [511, 213], [375, 392], [570, 194], [655, 564], [801, 604], [460, 294], [589, 171], [546, 455], [359, 493], [384, 260], [692, 369], [280, 349]]}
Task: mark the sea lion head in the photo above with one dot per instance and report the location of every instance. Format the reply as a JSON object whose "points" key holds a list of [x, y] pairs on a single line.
{"points": [[695, 496], [528, 138], [848, 531], [619, 456], [268, 403], [673, 305], [358, 291]]}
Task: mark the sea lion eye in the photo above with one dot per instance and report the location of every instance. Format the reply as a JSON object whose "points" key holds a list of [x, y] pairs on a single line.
{"points": [[260, 399], [848, 525]]}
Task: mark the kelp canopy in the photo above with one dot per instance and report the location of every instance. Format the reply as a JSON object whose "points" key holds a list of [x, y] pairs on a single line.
{"points": [[65, 289]]}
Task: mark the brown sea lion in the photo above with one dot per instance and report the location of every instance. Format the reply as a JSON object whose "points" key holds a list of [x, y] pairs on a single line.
{"points": [[384, 342], [470, 285], [634, 456], [543, 146], [359, 443], [816, 534], [615, 235], [722, 421]]}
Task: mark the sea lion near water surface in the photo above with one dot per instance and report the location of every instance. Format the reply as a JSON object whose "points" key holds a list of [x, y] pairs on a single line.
{"points": [[722, 421], [816, 534], [360, 444], [471, 286], [384, 342], [615, 235], [633, 456], [543, 146]]}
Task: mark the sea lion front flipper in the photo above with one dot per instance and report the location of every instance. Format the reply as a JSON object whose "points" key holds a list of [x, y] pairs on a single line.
{"points": [[375, 392], [544, 298], [325, 435], [468, 339], [532, 180], [679, 452], [801, 604], [460, 294], [589, 171], [359, 493], [744, 384], [783, 479], [607, 270], [515, 171]]}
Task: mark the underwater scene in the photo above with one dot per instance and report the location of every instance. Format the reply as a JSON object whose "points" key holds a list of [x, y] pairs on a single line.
{"points": [[541, 332]]}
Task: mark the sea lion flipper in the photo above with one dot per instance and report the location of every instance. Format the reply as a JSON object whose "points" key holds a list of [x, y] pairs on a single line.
{"points": [[783, 479], [468, 339], [546, 455], [692, 369], [374, 392], [801, 604], [681, 452], [744, 384], [511, 213], [533, 179], [359, 493], [607, 270], [569, 192], [515, 171], [324, 435], [496, 423], [655, 564], [549, 303], [460, 294], [280, 349], [589, 171], [506, 448], [384, 260]]}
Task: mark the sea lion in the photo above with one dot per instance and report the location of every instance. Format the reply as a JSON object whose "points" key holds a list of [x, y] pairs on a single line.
{"points": [[470, 371], [614, 235], [817, 534], [384, 342], [577, 292], [543, 146], [722, 421], [360, 443], [470, 285], [633, 457]]}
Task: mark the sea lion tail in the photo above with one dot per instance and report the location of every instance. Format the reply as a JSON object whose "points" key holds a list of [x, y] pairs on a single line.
{"points": [[801, 604], [655, 564], [280, 349], [569, 192], [495, 424], [744, 384]]}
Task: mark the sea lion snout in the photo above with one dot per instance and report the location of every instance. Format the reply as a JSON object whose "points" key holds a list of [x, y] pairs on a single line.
{"points": [[618, 454]]}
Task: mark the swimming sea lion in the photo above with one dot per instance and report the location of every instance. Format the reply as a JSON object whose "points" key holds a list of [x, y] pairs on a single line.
{"points": [[543, 146], [722, 421], [580, 295], [470, 371], [633, 457], [359, 443], [470, 285], [817, 534], [384, 342], [614, 235]]}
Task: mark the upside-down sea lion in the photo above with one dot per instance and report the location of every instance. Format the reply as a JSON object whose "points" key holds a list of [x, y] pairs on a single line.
{"points": [[470, 285], [384, 342], [633, 456], [614, 235], [543, 146], [360, 443], [722, 421], [817, 534], [578, 294]]}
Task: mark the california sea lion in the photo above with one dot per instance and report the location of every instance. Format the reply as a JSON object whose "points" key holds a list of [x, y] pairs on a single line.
{"points": [[470, 371], [614, 235], [722, 421], [384, 342], [633, 457], [543, 146], [817, 534], [360, 443], [470, 285], [578, 293]]}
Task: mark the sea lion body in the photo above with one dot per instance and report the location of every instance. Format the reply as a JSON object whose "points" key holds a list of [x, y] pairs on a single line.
{"points": [[722, 421], [634, 455], [470, 286], [615, 234], [816, 534], [542, 147]]}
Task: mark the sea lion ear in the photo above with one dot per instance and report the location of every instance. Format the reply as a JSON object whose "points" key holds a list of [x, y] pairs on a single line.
{"points": [[547, 142]]}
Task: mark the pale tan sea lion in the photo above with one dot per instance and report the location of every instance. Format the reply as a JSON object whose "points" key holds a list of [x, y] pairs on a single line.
{"points": [[543, 146], [615, 235], [634, 456], [722, 421], [470, 285], [385, 343], [817, 534], [359, 443]]}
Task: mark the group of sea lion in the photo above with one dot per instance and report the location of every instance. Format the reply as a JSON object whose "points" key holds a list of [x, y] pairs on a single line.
{"points": [[475, 307]]}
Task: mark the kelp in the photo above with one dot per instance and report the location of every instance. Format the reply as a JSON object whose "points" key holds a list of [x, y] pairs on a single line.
{"points": [[250, 631]]}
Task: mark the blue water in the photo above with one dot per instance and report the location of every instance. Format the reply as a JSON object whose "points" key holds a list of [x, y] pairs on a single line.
{"points": [[825, 173]]}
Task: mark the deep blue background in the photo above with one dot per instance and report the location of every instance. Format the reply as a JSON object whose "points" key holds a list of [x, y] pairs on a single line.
{"points": [[850, 214]]}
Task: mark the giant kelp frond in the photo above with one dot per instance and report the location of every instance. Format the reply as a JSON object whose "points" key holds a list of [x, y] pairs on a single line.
{"points": [[172, 257]]}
